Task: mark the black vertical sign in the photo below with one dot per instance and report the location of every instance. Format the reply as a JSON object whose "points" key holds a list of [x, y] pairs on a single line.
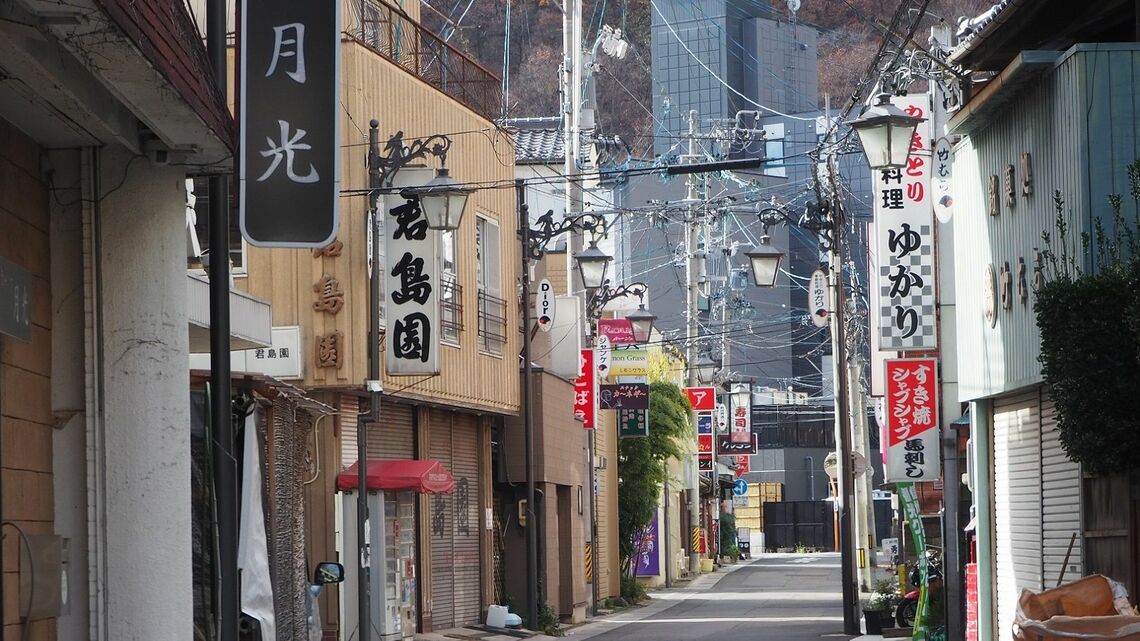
{"points": [[289, 148]]}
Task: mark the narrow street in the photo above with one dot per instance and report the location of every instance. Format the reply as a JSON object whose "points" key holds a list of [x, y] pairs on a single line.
{"points": [[777, 597]]}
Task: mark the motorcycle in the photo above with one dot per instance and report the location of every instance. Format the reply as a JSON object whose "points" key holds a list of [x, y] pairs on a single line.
{"points": [[907, 609]]}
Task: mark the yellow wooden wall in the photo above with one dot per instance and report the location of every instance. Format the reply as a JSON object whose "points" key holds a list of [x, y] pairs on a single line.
{"points": [[372, 87]]}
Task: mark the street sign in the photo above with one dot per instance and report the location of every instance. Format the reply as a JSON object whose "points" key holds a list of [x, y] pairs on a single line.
{"points": [[743, 465], [726, 446], [289, 138], [703, 399], [15, 301], [818, 298], [545, 305], [740, 487]]}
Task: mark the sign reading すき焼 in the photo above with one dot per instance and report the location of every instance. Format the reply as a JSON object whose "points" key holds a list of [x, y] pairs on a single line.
{"points": [[912, 420]]}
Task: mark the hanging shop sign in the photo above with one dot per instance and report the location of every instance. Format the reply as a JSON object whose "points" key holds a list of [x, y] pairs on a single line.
{"points": [[818, 297], [411, 279], [704, 424], [704, 444], [15, 301], [629, 363], [584, 389], [602, 355], [545, 305], [633, 423], [740, 430], [743, 465], [912, 420], [942, 170], [704, 462], [703, 399], [289, 152], [630, 396], [904, 224], [618, 330], [726, 446]]}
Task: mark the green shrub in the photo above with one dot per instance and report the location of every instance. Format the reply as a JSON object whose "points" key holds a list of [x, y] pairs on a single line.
{"points": [[632, 590]]}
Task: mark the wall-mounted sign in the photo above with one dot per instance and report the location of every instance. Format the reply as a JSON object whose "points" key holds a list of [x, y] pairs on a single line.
{"points": [[15, 301], [602, 354], [630, 396], [989, 296], [618, 330], [584, 389], [633, 423], [818, 298], [411, 280], [904, 222], [289, 152], [912, 420], [721, 418], [740, 430], [704, 462], [726, 446], [943, 171], [545, 305], [629, 363], [703, 399], [704, 424], [704, 444]]}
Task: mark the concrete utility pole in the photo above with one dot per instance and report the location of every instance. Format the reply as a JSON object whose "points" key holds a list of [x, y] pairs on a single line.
{"points": [[691, 267], [864, 505]]}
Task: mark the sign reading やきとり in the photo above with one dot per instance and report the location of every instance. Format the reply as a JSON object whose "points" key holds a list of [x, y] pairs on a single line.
{"points": [[912, 420], [904, 224]]}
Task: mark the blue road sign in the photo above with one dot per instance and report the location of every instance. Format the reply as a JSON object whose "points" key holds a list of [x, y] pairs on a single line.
{"points": [[740, 488]]}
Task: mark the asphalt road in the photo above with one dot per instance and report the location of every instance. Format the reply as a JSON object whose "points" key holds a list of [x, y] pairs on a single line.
{"points": [[776, 597]]}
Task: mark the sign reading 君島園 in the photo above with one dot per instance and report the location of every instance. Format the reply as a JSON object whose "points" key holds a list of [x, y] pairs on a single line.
{"points": [[411, 279]]}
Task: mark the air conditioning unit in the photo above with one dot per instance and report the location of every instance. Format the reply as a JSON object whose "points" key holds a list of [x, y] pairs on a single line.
{"points": [[600, 463]]}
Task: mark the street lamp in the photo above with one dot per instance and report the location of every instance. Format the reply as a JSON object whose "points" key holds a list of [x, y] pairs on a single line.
{"points": [[886, 132], [592, 265], [765, 261], [642, 321], [442, 200], [706, 368]]}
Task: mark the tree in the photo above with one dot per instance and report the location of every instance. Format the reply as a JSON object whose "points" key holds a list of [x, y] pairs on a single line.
{"points": [[643, 464]]}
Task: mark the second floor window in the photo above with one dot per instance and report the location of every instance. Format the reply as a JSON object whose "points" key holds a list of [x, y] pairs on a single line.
{"points": [[492, 307]]}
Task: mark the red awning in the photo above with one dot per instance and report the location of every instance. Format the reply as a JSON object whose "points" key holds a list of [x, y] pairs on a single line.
{"points": [[429, 477]]}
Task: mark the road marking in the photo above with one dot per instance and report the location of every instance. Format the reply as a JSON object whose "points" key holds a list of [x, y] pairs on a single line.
{"points": [[806, 619], [806, 559]]}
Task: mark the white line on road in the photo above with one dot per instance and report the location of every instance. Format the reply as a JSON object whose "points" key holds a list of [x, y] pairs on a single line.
{"points": [[727, 620]]}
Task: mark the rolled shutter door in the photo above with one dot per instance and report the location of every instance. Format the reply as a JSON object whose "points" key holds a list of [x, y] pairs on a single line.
{"points": [[441, 527], [465, 467], [395, 436], [1060, 502]]}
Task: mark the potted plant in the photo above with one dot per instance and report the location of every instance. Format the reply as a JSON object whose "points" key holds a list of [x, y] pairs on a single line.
{"points": [[874, 608]]}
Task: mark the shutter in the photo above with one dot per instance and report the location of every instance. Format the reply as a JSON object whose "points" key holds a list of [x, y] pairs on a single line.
{"points": [[1060, 501], [394, 438], [1017, 502], [455, 566]]}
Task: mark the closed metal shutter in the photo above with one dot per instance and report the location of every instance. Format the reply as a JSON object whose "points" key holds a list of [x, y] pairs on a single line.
{"points": [[454, 522], [1060, 501], [395, 437], [1017, 502]]}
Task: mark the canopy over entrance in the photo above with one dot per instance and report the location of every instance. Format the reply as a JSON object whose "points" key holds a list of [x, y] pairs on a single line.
{"points": [[428, 477]]}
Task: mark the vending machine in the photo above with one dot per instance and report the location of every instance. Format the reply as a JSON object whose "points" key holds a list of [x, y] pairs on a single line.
{"points": [[391, 557]]}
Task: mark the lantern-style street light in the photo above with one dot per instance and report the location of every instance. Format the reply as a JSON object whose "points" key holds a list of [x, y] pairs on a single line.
{"points": [[886, 133], [442, 200], [706, 368], [592, 265], [642, 321], [765, 261]]}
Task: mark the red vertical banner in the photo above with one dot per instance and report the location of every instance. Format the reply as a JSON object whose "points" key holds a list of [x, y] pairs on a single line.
{"points": [[584, 389], [912, 420], [743, 465]]}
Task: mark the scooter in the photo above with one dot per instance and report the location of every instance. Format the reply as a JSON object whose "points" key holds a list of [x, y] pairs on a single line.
{"points": [[907, 609]]}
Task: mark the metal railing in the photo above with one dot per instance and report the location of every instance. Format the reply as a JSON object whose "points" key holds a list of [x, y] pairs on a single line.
{"points": [[450, 308], [388, 31], [492, 323]]}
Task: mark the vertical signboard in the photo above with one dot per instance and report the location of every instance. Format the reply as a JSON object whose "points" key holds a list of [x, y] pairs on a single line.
{"points": [[545, 305], [411, 278], [646, 557], [904, 221], [15, 301], [584, 389], [912, 420], [633, 423], [740, 429], [702, 399], [289, 147]]}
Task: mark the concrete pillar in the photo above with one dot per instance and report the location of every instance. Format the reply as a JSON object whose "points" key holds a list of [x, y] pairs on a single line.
{"points": [[144, 454]]}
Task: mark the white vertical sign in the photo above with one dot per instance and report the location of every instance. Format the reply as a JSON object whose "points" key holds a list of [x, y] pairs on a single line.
{"points": [[411, 281], [741, 426], [904, 219], [544, 306], [603, 357]]}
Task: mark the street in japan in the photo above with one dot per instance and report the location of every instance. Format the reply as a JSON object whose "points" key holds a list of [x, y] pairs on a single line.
{"points": [[776, 597]]}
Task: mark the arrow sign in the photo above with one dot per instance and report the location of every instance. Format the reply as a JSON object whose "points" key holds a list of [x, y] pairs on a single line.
{"points": [[740, 487]]}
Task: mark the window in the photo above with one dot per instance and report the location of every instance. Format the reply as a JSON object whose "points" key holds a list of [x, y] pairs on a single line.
{"points": [[198, 219], [492, 308], [451, 292]]}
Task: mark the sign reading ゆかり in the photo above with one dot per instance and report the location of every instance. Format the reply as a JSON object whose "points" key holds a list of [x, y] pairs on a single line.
{"points": [[289, 156], [411, 279], [904, 222], [912, 419]]}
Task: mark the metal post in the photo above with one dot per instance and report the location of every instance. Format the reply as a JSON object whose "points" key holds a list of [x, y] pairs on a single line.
{"points": [[532, 596], [364, 582], [691, 331], [842, 409], [221, 416]]}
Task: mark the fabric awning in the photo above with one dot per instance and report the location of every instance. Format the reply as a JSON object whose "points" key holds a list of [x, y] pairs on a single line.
{"points": [[428, 477]]}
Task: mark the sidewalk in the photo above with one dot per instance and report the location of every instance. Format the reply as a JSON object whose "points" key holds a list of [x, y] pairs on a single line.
{"points": [[591, 626]]}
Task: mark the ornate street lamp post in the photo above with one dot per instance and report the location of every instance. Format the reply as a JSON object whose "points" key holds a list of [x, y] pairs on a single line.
{"points": [[886, 132]]}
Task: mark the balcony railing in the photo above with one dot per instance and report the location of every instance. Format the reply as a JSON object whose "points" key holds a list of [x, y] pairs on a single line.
{"points": [[388, 31], [450, 309], [492, 323]]}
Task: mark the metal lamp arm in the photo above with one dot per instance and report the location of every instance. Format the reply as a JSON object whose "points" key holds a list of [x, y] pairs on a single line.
{"points": [[546, 230], [397, 155], [604, 294]]}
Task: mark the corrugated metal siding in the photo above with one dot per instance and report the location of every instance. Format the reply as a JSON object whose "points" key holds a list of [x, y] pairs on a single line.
{"points": [[394, 437], [1060, 501], [1079, 124], [1017, 502], [455, 523]]}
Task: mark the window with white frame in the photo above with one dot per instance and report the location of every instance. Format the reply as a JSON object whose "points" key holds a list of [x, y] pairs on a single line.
{"points": [[451, 292], [198, 227], [492, 307]]}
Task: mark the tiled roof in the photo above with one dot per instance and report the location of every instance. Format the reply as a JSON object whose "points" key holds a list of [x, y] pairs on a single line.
{"points": [[970, 29], [542, 141]]}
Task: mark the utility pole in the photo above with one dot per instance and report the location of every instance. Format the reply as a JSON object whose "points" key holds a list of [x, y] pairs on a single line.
{"points": [[528, 417], [691, 264], [864, 513]]}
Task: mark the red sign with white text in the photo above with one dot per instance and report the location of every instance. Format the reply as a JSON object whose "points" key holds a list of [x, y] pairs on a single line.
{"points": [[584, 389], [703, 399], [743, 465], [618, 330], [704, 443], [912, 419]]}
